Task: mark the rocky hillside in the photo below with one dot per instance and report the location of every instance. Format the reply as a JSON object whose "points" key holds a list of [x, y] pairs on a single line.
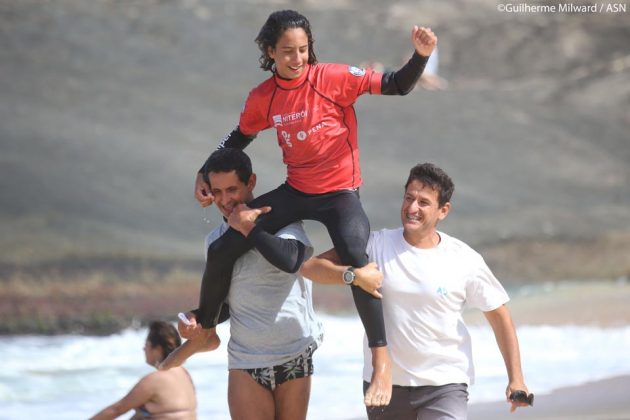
{"points": [[109, 107]]}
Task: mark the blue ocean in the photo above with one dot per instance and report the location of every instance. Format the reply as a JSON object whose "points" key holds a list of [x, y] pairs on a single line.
{"points": [[73, 377]]}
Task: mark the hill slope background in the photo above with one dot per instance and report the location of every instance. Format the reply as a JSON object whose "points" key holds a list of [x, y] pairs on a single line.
{"points": [[109, 107]]}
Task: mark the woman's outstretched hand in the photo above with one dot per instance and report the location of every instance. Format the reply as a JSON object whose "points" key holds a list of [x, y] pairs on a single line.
{"points": [[202, 191], [424, 40]]}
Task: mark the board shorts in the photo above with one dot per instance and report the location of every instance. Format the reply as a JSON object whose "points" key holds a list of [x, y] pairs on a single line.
{"points": [[299, 367]]}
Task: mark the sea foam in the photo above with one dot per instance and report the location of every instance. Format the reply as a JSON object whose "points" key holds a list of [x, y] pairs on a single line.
{"points": [[73, 377]]}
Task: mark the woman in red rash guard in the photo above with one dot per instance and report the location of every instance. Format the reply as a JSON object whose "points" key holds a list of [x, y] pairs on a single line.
{"points": [[310, 105]]}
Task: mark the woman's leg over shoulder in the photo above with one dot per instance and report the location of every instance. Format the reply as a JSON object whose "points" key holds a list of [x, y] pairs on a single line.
{"points": [[223, 253], [349, 229]]}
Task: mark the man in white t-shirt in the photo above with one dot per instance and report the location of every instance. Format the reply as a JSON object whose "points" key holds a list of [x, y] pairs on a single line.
{"points": [[429, 278]]}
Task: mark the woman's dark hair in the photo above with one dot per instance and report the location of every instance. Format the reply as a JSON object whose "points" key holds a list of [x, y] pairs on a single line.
{"points": [[164, 335], [272, 30], [434, 177]]}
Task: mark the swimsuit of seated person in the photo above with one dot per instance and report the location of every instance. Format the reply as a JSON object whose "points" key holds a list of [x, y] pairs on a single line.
{"points": [[142, 413]]}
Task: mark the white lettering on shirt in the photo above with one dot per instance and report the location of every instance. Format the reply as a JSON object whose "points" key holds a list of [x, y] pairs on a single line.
{"points": [[291, 118], [287, 138]]}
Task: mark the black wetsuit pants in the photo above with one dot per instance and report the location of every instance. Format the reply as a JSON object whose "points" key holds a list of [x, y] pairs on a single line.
{"points": [[349, 229]]}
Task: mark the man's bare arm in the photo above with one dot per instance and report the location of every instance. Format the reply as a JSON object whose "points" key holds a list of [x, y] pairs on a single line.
{"points": [[326, 268]]}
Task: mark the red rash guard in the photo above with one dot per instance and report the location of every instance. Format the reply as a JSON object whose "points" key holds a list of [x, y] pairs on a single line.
{"points": [[315, 122]]}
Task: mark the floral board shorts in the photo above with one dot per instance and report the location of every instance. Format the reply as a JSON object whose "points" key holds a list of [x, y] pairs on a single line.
{"points": [[300, 367]]}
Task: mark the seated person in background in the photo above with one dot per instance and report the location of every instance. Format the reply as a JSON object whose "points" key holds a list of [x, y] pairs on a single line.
{"points": [[161, 394]]}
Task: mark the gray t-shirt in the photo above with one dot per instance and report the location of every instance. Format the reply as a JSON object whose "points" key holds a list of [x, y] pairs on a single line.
{"points": [[271, 312]]}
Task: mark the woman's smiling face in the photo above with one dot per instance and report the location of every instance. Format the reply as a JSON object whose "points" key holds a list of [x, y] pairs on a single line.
{"points": [[290, 53]]}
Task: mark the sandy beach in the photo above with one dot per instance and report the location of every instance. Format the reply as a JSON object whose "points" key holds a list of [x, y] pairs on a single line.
{"points": [[602, 304], [602, 400]]}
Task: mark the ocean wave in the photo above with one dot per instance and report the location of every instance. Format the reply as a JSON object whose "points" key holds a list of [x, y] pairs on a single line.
{"points": [[50, 374]]}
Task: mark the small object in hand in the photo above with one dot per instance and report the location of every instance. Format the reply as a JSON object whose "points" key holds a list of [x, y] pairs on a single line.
{"points": [[182, 317], [521, 396]]}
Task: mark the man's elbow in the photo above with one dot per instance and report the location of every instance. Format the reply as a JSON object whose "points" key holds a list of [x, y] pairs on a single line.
{"points": [[293, 269], [306, 269], [290, 267]]}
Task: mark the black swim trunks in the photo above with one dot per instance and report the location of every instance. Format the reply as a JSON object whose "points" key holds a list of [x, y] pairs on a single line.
{"points": [[300, 367]]}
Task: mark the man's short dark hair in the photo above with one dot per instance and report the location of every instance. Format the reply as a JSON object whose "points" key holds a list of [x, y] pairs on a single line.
{"points": [[227, 160], [434, 177]]}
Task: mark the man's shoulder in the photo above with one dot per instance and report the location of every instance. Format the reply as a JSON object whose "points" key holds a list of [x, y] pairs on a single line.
{"points": [[384, 238], [293, 231], [458, 246], [293, 227], [385, 233], [215, 233]]}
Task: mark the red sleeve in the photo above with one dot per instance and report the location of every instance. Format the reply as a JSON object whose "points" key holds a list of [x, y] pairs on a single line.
{"points": [[344, 84], [254, 114]]}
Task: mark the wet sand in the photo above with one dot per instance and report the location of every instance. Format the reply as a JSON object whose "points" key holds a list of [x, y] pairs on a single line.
{"points": [[601, 400], [603, 304], [606, 400]]}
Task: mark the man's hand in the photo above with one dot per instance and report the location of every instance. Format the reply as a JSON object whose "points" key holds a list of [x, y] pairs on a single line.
{"points": [[511, 390], [424, 40], [202, 191], [190, 330], [369, 278], [243, 219]]}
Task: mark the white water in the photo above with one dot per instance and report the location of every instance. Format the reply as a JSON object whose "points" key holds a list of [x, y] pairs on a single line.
{"points": [[72, 377]]}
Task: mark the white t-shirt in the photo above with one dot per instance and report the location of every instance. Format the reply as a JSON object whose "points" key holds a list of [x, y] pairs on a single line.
{"points": [[424, 294], [271, 312]]}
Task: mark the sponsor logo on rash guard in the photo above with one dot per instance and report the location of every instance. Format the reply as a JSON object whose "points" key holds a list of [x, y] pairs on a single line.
{"points": [[287, 138], [290, 118], [303, 135], [316, 127], [355, 71]]}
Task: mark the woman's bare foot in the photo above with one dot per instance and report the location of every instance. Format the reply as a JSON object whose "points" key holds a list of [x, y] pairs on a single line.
{"points": [[206, 340], [379, 393]]}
